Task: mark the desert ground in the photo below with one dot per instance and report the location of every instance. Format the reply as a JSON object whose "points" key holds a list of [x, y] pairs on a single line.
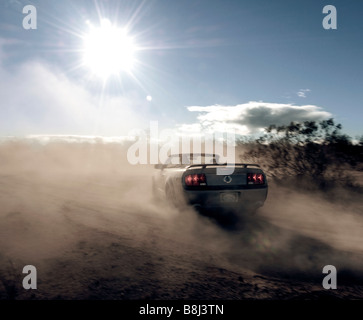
{"points": [[86, 219]]}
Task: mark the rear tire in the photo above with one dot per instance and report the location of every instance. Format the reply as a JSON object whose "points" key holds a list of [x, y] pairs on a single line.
{"points": [[172, 197]]}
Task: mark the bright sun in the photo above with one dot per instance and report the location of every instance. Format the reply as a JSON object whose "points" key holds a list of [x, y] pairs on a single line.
{"points": [[108, 50]]}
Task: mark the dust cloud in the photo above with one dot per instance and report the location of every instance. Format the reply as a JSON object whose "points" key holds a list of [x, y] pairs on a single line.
{"points": [[87, 220]]}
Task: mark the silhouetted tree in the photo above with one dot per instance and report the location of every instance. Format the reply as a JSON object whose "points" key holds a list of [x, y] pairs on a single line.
{"points": [[315, 150]]}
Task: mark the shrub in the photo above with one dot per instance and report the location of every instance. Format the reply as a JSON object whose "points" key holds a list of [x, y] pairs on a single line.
{"points": [[316, 151]]}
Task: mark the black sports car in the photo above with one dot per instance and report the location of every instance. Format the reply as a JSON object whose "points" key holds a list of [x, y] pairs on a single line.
{"points": [[193, 179]]}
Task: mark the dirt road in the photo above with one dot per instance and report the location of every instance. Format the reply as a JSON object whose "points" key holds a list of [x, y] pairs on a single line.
{"points": [[94, 232]]}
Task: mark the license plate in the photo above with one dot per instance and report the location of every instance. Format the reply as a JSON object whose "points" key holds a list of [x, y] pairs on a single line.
{"points": [[228, 197]]}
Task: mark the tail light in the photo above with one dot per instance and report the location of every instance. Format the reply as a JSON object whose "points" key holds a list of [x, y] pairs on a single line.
{"points": [[255, 178], [196, 179]]}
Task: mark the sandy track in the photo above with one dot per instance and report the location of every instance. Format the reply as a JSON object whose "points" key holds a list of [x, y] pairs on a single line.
{"points": [[97, 234]]}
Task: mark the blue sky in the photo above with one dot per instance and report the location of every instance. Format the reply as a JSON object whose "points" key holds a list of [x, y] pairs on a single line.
{"points": [[208, 65]]}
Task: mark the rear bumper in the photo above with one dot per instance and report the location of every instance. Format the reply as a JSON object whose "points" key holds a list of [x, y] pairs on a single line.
{"points": [[238, 198]]}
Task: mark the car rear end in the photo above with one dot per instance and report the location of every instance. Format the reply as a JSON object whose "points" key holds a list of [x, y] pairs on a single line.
{"points": [[245, 188]]}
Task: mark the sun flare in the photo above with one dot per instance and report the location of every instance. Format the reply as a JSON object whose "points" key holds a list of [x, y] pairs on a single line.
{"points": [[108, 50]]}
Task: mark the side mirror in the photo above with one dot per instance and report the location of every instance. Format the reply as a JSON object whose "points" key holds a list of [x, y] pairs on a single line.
{"points": [[159, 166]]}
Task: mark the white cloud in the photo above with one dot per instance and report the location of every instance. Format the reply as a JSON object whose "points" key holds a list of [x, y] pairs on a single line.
{"points": [[251, 117], [302, 93]]}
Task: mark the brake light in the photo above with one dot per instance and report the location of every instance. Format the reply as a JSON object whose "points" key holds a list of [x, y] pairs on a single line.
{"points": [[255, 178], [196, 179]]}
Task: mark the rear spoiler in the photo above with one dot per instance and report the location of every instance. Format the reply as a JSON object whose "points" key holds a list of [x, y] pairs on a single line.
{"points": [[244, 165]]}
